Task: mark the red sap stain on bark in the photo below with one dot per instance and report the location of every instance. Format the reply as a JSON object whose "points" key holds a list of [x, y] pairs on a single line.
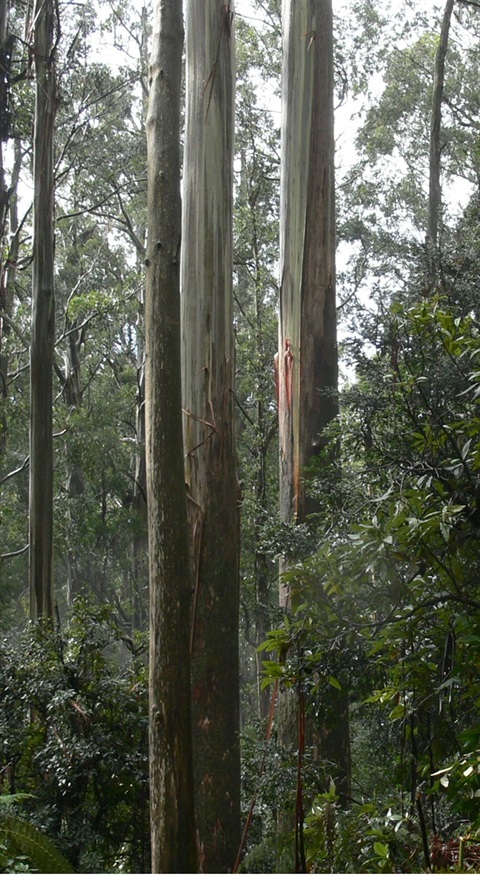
{"points": [[288, 376]]}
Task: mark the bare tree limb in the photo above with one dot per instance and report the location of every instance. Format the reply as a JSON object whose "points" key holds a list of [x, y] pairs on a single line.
{"points": [[16, 471], [15, 553]]}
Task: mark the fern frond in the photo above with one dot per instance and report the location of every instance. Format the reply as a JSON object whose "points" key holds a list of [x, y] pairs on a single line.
{"points": [[28, 840]]}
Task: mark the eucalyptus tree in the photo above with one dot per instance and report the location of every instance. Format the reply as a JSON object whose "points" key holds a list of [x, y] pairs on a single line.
{"points": [[171, 776], [307, 359], [307, 366], [46, 33], [208, 400], [7, 194], [435, 192]]}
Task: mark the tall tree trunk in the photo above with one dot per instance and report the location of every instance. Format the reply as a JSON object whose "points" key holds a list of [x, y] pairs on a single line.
{"points": [[73, 397], [307, 360], [435, 190], [171, 773], [5, 59], [8, 210], [43, 318], [139, 570], [8, 273], [139, 574], [209, 427]]}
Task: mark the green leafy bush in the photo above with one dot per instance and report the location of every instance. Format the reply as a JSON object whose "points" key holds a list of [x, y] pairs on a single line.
{"points": [[74, 733]]}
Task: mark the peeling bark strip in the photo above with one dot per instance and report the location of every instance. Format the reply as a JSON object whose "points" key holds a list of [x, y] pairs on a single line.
{"points": [[171, 772], [43, 318], [210, 458]]}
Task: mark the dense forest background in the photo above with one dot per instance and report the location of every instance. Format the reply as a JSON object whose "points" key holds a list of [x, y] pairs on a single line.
{"points": [[378, 642]]}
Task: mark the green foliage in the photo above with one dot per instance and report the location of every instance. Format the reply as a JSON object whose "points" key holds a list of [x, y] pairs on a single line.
{"points": [[364, 839], [388, 607], [74, 735]]}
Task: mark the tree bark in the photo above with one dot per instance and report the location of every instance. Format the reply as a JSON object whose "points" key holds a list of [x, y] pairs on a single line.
{"points": [[171, 774], [43, 318], [434, 188], [435, 191], [8, 272], [307, 363], [209, 427], [139, 572]]}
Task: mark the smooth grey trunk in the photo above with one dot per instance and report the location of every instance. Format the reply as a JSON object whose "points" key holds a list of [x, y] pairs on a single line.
{"points": [[211, 476], [171, 773], [77, 579], [8, 211], [4, 98], [43, 318], [139, 572], [435, 189], [8, 272]]}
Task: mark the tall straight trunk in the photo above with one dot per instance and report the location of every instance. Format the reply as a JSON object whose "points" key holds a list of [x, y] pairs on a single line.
{"points": [[77, 579], [211, 476], [139, 570], [171, 774], [43, 318], [307, 359], [8, 273], [5, 58], [3, 218], [8, 211], [435, 190], [139, 565]]}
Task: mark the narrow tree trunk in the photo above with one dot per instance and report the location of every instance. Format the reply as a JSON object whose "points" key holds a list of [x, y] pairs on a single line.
{"points": [[307, 359], [8, 211], [139, 574], [8, 272], [171, 774], [209, 428], [73, 397], [5, 53], [435, 190], [3, 217], [43, 319]]}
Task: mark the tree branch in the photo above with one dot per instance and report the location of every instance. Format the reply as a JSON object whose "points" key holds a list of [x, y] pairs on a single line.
{"points": [[11, 474], [15, 553]]}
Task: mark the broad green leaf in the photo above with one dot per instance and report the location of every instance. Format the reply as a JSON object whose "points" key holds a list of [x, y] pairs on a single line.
{"points": [[334, 682], [381, 850]]}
